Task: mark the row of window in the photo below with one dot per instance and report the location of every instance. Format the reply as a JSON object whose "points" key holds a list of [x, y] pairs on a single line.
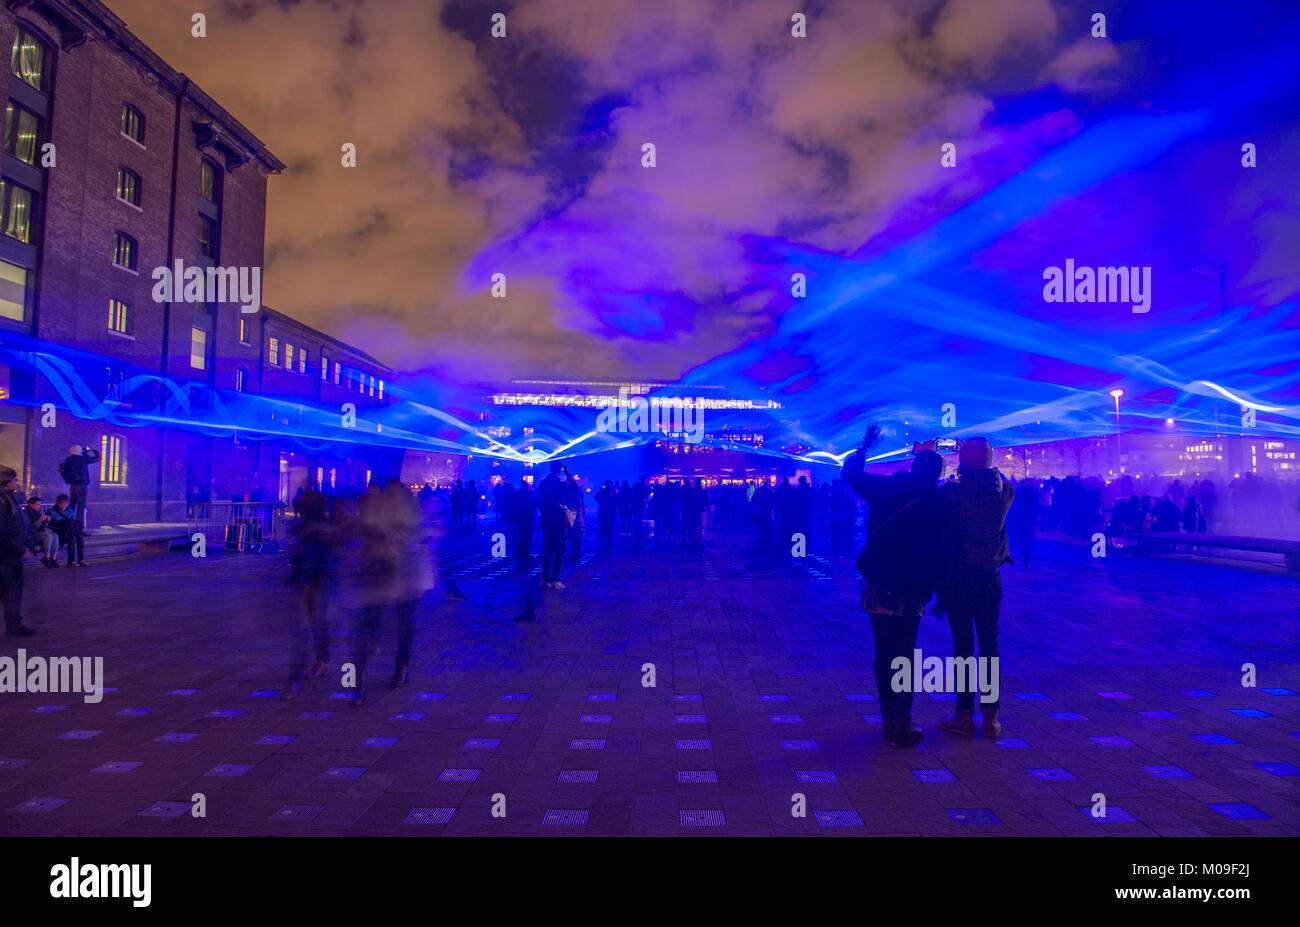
{"points": [[350, 378]]}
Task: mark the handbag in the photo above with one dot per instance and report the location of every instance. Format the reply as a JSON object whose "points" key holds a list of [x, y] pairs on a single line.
{"points": [[570, 515]]}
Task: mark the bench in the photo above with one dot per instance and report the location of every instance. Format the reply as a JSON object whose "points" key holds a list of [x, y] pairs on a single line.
{"points": [[1290, 550]]}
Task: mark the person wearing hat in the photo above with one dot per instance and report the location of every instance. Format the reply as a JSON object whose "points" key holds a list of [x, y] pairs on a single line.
{"points": [[75, 471], [13, 532]]}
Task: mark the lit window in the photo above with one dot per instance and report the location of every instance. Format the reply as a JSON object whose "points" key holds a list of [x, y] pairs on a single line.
{"points": [[17, 205], [119, 317], [13, 292], [132, 123], [302, 361], [288, 356], [381, 389], [241, 380], [245, 335], [198, 349], [124, 250], [112, 461], [210, 181], [128, 186], [22, 133], [338, 372], [372, 386], [27, 60], [274, 355], [324, 367]]}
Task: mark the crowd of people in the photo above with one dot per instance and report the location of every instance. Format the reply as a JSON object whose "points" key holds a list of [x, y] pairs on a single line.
{"points": [[29, 527]]}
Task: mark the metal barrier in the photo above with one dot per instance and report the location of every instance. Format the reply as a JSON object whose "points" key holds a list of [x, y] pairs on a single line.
{"points": [[255, 526]]}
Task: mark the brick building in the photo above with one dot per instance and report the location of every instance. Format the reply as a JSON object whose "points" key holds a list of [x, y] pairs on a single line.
{"points": [[115, 165]]}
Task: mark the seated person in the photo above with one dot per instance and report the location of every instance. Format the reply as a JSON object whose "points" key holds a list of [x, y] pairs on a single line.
{"points": [[39, 538], [68, 530]]}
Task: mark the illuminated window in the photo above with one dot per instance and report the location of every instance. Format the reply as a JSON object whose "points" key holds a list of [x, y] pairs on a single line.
{"points": [[274, 352], [338, 372], [241, 380], [210, 181], [372, 386], [333, 477], [302, 361], [22, 133], [288, 356], [128, 186], [112, 461], [17, 205], [119, 317], [245, 335], [198, 349], [124, 250], [27, 60], [13, 292], [320, 475], [381, 389], [324, 367], [132, 123]]}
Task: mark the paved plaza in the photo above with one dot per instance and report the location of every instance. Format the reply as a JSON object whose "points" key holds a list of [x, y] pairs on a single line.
{"points": [[1120, 677]]}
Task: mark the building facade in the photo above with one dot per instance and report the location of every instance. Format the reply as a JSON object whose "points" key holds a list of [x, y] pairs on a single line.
{"points": [[116, 166]]}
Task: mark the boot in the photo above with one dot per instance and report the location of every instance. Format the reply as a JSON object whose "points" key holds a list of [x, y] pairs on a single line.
{"points": [[961, 723], [992, 726], [399, 677]]}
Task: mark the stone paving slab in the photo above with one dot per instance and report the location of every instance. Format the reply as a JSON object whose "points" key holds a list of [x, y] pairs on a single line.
{"points": [[1119, 676]]}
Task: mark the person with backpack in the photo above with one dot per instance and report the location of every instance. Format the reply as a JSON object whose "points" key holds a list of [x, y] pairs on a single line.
{"points": [[900, 565], [75, 471]]}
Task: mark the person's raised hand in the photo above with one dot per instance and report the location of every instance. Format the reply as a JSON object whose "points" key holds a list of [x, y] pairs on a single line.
{"points": [[871, 437]]}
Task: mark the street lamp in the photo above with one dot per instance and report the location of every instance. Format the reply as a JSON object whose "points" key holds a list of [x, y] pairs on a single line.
{"points": [[1119, 451]]}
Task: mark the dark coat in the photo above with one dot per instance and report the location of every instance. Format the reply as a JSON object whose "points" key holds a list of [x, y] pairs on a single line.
{"points": [[974, 507], [902, 544], [13, 527]]}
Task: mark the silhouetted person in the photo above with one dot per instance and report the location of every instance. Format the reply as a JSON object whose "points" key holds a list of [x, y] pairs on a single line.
{"points": [[13, 529], [973, 513], [1022, 520], [75, 471], [899, 565], [764, 509], [578, 529], [556, 504], [606, 513], [640, 494], [525, 520]]}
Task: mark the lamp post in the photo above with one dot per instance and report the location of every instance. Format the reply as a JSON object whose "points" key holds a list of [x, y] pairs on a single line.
{"points": [[1119, 452]]}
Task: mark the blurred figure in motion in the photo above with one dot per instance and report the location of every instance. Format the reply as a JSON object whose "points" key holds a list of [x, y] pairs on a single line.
{"points": [[316, 536], [396, 568], [578, 527]]}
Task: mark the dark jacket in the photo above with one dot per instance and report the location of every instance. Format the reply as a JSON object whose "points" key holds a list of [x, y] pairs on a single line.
{"points": [[902, 543], [974, 507], [13, 527], [76, 470], [554, 495], [64, 523]]}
